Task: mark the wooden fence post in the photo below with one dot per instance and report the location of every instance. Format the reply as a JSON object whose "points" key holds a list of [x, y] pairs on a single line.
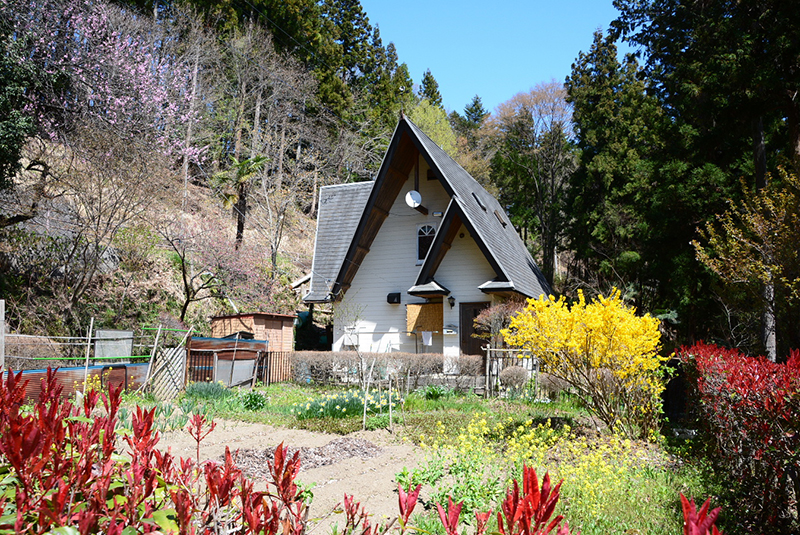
{"points": [[486, 393]]}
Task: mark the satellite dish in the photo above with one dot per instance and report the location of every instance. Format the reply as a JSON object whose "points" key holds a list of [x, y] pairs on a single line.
{"points": [[413, 198]]}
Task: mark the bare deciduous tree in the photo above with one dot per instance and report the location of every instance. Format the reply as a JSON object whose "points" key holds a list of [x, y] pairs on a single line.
{"points": [[533, 162]]}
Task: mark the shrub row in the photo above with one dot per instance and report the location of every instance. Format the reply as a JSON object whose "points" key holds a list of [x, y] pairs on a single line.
{"points": [[410, 369], [749, 407]]}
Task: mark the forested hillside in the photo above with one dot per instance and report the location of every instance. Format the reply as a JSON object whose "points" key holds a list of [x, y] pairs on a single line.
{"points": [[164, 159], [160, 160]]}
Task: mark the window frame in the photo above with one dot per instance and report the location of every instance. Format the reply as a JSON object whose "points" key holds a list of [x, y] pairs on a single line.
{"points": [[421, 236]]}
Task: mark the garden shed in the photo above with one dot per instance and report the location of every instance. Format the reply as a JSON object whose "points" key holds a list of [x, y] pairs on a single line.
{"points": [[278, 329]]}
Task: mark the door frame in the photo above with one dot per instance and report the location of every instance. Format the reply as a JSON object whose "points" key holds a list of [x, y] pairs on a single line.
{"points": [[466, 331]]}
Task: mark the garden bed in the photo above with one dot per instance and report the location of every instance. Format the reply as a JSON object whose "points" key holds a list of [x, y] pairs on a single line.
{"points": [[362, 464]]}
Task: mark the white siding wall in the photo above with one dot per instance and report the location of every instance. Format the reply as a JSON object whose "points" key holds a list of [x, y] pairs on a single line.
{"points": [[462, 270], [390, 266]]}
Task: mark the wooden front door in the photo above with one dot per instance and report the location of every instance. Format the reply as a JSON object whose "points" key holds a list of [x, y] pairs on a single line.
{"points": [[469, 344]]}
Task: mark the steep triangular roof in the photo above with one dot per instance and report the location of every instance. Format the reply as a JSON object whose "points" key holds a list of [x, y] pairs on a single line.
{"points": [[470, 205], [486, 220]]}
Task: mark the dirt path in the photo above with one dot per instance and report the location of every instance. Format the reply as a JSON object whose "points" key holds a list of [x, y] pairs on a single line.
{"points": [[363, 464]]}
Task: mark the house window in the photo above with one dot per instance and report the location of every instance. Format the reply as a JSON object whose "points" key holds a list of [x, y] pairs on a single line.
{"points": [[425, 235]]}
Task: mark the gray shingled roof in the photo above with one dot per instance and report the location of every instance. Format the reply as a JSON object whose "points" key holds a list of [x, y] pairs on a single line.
{"points": [[488, 220], [340, 209]]}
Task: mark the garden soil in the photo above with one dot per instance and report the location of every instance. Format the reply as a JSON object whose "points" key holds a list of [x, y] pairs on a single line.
{"points": [[362, 464]]}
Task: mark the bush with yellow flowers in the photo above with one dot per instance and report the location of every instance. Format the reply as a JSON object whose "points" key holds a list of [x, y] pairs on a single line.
{"points": [[604, 350]]}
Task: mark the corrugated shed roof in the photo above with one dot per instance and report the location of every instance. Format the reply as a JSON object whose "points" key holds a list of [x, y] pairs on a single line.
{"points": [[340, 209], [262, 315], [488, 220]]}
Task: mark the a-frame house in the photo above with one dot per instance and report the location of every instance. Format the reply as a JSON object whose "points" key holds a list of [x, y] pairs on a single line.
{"points": [[410, 271]]}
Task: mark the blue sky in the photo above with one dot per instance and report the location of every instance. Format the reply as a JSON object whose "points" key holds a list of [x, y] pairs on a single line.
{"points": [[492, 49]]}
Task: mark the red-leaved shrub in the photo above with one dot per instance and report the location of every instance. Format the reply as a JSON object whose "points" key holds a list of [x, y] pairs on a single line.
{"points": [[750, 407], [63, 469]]}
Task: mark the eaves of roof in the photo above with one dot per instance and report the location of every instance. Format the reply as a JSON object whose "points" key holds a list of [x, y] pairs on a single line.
{"points": [[429, 289]]}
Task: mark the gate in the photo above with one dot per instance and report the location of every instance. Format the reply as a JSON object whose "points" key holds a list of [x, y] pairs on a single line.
{"points": [[167, 376], [233, 361], [499, 359]]}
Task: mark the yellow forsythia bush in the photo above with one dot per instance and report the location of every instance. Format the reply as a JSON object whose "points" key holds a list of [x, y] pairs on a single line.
{"points": [[607, 353]]}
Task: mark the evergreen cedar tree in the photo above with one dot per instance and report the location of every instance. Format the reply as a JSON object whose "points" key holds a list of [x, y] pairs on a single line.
{"points": [[430, 89], [711, 105]]}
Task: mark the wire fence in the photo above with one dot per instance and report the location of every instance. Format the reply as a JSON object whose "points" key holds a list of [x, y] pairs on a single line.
{"points": [[99, 347], [105, 349]]}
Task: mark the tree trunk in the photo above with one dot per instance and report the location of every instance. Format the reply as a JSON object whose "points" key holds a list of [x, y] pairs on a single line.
{"points": [[241, 209], [188, 142], [314, 195], [237, 147], [281, 150], [759, 154], [768, 324], [255, 146], [276, 242], [548, 256], [188, 290], [768, 321]]}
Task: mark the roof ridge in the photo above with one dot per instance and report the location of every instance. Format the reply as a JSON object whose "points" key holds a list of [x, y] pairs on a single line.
{"points": [[506, 250], [349, 184]]}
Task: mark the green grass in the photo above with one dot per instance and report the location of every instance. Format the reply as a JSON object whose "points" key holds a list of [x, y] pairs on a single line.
{"points": [[208, 391], [420, 402]]}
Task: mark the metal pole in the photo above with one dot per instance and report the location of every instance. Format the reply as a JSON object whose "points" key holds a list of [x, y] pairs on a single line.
{"points": [[214, 378], [88, 349], [255, 370], [233, 361], [366, 393]]}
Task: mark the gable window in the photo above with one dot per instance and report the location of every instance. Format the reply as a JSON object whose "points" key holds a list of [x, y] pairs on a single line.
{"points": [[425, 234]]}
